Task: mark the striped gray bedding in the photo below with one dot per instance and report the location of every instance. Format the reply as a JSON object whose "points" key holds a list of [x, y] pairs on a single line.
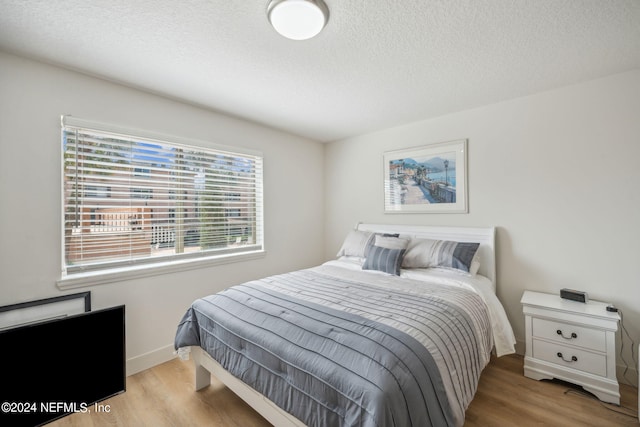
{"points": [[341, 348]]}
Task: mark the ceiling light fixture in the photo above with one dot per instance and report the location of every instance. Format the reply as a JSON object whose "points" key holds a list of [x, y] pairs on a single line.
{"points": [[298, 19]]}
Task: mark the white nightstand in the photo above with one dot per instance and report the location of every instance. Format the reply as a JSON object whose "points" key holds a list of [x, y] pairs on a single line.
{"points": [[571, 341]]}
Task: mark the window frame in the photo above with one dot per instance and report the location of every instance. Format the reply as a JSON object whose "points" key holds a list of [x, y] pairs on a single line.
{"points": [[148, 266]]}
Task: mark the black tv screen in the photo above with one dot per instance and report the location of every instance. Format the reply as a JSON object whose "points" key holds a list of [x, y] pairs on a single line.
{"points": [[63, 366]]}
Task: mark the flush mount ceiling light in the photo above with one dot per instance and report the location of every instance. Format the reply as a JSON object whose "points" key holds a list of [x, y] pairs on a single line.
{"points": [[298, 19]]}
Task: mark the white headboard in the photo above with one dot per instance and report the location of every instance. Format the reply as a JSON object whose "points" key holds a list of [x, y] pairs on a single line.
{"points": [[483, 235]]}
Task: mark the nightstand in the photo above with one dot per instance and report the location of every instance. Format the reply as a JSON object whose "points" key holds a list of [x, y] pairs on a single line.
{"points": [[571, 341]]}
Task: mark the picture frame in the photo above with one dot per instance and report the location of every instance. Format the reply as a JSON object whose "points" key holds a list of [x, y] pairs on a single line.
{"points": [[427, 179], [25, 313]]}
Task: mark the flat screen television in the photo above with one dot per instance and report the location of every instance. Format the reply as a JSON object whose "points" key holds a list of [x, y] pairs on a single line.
{"points": [[58, 367]]}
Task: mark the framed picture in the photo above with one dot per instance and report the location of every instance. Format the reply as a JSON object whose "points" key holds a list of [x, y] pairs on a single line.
{"points": [[427, 179], [25, 313]]}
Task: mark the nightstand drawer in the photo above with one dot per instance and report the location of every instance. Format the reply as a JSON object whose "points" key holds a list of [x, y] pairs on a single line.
{"points": [[564, 355], [565, 333]]}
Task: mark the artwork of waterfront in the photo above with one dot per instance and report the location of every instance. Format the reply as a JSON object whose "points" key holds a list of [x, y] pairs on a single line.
{"points": [[423, 180]]}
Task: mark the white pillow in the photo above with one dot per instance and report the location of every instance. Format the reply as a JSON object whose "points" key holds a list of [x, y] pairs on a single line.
{"points": [[391, 242], [420, 253], [355, 244], [475, 265]]}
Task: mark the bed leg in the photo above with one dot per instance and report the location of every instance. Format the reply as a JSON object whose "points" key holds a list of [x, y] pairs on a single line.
{"points": [[202, 375]]}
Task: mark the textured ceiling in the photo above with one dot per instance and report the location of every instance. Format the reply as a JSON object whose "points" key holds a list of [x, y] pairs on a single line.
{"points": [[377, 63]]}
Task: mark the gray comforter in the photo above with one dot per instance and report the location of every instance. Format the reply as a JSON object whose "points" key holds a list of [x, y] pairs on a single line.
{"points": [[333, 349]]}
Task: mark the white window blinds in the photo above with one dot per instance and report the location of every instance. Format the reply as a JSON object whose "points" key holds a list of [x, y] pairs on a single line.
{"points": [[133, 197]]}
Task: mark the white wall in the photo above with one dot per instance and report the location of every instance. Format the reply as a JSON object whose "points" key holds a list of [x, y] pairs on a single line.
{"points": [[557, 173], [32, 98]]}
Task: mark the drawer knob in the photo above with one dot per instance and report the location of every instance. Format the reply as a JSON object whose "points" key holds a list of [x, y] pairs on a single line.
{"points": [[573, 358], [572, 336]]}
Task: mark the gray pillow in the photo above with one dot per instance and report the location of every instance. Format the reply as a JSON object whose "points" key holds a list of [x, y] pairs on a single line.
{"points": [[384, 259]]}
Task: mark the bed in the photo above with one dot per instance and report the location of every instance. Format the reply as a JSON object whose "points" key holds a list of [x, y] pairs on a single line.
{"points": [[394, 332]]}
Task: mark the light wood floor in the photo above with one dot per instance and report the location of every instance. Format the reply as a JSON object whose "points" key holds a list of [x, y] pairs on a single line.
{"points": [[164, 396]]}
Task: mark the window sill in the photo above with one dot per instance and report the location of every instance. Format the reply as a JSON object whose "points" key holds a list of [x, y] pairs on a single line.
{"points": [[81, 280]]}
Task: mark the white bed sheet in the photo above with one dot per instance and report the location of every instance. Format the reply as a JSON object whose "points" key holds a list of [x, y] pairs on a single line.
{"points": [[503, 336], [457, 394]]}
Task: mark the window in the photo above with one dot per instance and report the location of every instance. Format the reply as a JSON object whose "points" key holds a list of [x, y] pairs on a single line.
{"points": [[133, 198]]}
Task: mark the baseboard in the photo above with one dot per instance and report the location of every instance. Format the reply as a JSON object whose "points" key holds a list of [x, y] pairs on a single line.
{"points": [[150, 359]]}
